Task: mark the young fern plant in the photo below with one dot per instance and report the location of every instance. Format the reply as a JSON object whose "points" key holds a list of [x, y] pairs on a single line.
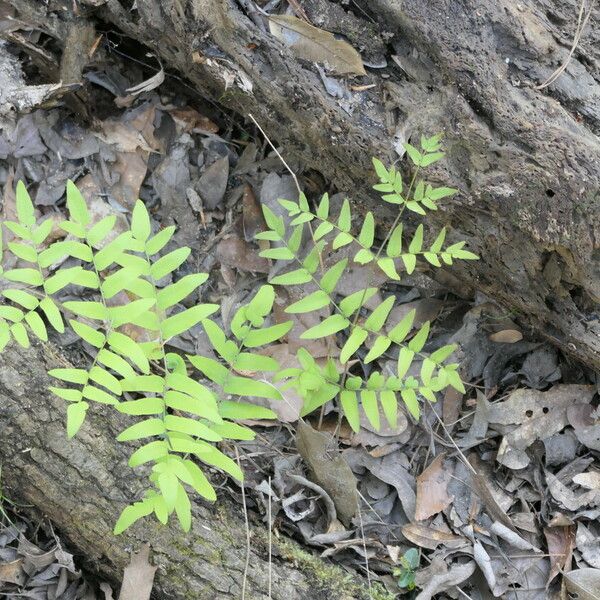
{"points": [[180, 418], [131, 293], [319, 384]]}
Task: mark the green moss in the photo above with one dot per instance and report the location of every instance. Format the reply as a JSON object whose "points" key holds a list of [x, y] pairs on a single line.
{"points": [[327, 580]]}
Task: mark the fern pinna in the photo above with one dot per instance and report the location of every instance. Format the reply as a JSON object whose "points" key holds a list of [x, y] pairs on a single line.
{"points": [[318, 384], [180, 419]]}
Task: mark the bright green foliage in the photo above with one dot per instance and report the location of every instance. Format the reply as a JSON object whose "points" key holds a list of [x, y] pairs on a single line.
{"points": [[125, 300], [181, 408], [365, 333]]}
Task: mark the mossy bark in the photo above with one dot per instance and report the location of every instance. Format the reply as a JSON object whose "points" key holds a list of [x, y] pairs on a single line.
{"points": [[82, 484]]}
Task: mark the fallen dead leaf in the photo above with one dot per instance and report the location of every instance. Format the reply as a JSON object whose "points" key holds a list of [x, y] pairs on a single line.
{"points": [[561, 541], [236, 253], [138, 577], [328, 469], [428, 537], [316, 45], [507, 336], [432, 489], [12, 572], [583, 584]]}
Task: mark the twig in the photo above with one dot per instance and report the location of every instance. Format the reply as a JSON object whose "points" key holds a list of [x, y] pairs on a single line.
{"points": [[364, 543], [277, 152], [247, 526], [581, 23], [270, 539], [293, 177], [460, 452]]}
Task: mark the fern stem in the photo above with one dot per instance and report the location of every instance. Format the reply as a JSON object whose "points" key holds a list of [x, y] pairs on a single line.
{"points": [[385, 241]]}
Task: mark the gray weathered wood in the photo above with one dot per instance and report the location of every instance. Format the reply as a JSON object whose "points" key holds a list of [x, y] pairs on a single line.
{"points": [[82, 484]]}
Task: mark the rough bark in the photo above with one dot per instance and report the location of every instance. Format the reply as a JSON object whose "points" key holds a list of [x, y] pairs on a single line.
{"points": [[81, 485], [526, 161]]}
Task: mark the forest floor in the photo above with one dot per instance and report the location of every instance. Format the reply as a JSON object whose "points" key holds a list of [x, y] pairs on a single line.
{"points": [[494, 491]]}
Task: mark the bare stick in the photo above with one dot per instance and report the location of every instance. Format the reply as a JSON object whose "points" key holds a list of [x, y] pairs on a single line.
{"points": [[247, 525], [362, 533], [277, 152], [581, 23], [460, 452], [270, 539]]}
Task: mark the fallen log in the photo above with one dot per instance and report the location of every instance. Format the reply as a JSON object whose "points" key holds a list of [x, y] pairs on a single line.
{"points": [[526, 160], [82, 484]]}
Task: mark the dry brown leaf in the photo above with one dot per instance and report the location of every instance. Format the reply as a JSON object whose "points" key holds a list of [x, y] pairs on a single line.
{"points": [[236, 253], [507, 336], [432, 489], [428, 537], [561, 541], [12, 572], [138, 577], [316, 45], [253, 220], [189, 118]]}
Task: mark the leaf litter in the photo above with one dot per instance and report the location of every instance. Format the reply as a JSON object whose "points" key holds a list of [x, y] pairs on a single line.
{"points": [[497, 488]]}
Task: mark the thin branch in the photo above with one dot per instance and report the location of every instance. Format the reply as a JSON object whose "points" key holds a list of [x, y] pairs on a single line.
{"points": [[277, 152], [581, 23], [247, 526]]}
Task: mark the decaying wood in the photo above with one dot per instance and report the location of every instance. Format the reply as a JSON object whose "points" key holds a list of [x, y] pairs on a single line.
{"points": [[81, 485], [526, 161]]}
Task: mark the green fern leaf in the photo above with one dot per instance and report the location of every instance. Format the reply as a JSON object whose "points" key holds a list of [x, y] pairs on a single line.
{"points": [[25, 210], [329, 326], [75, 417], [76, 204], [314, 301]]}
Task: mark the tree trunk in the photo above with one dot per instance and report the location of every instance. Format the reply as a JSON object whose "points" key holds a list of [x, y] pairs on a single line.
{"points": [[526, 161], [82, 484]]}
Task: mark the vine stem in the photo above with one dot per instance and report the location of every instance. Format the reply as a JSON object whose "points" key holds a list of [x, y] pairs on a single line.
{"points": [[161, 341], [362, 301]]}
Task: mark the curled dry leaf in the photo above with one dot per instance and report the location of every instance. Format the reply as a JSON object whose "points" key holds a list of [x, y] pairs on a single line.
{"points": [[430, 538], [316, 45], [432, 489], [561, 541], [438, 578]]}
